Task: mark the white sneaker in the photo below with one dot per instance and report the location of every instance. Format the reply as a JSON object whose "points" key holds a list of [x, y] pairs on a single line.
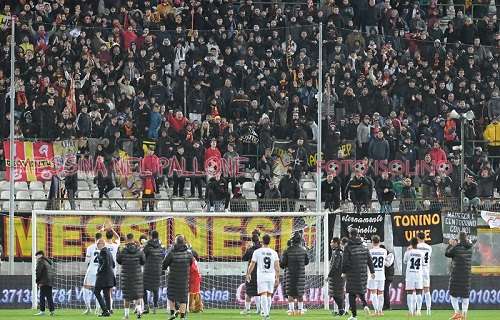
{"points": [[367, 310], [418, 313], [289, 312], [429, 312], [86, 312], [352, 318], [41, 313], [244, 312]]}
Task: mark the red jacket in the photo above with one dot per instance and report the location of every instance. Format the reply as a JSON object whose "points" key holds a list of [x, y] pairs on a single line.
{"points": [[194, 278], [176, 124], [438, 156], [150, 164], [212, 153]]}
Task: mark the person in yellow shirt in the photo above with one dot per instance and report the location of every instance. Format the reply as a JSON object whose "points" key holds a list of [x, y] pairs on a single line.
{"points": [[492, 135]]}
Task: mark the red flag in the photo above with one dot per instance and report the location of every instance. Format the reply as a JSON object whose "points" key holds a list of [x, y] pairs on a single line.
{"points": [[71, 97]]}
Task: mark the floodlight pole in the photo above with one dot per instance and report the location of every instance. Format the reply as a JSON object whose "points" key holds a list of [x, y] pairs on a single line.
{"points": [[12, 146]]}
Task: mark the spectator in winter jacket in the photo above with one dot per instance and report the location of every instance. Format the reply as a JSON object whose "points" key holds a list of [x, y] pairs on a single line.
{"points": [[385, 192], [155, 121], [195, 162], [471, 199], [177, 123], [289, 189], [45, 276], [438, 155], [408, 196], [494, 105], [379, 147], [217, 193], [330, 190], [195, 301], [358, 188], [213, 157]]}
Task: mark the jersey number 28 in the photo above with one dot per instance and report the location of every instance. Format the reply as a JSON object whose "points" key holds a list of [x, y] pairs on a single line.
{"points": [[378, 262]]}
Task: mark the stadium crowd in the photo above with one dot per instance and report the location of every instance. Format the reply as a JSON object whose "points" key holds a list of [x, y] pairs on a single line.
{"points": [[233, 77]]}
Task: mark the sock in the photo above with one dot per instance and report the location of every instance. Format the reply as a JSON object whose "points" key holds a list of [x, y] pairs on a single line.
{"points": [[428, 300], [374, 299], [465, 305], [247, 305], [301, 306], [263, 305], [257, 304], [291, 306], [380, 302], [346, 299], [454, 304], [127, 312], [269, 303], [410, 302], [111, 302], [86, 297], [419, 302]]}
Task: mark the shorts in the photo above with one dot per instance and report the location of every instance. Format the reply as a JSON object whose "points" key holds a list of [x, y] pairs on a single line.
{"points": [[376, 284], [426, 277], [90, 278], [414, 283], [265, 286]]}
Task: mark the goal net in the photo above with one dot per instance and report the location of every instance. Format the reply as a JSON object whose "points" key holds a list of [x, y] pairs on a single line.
{"points": [[220, 240]]}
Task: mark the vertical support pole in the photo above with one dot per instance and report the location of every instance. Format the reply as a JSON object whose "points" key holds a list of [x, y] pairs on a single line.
{"points": [[185, 98], [12, 147], [463, 121], [34, 293], [319, 142]]}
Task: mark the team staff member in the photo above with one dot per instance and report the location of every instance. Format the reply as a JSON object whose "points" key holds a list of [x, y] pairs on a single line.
{"points": [[354, 267], [45, 275], [460, 253]]}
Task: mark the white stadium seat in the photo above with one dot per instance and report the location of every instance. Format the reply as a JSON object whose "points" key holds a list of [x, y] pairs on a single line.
{"points": [[21, 185], [36, 185]]}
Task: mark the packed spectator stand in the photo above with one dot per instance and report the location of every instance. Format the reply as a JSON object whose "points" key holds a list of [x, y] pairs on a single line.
{"points": [[234, 77]]}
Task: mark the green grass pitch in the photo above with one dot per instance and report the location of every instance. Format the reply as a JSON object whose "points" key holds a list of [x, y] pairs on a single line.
{"points": [[279, 314]]}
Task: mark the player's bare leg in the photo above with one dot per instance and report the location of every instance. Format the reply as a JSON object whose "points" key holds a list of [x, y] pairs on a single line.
{"points": [[126, 310], [291, 306], [380, 299], [248, 303], [300, 305], [87, 295], [428, 299], [374, 300], [410, 302], [418, 302]]}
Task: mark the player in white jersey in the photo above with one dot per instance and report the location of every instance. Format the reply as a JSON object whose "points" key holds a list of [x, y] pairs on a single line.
{"points": [[427, 251], [92, 262], [413, 259], [376, 284], [112, 243], [268, 272]]}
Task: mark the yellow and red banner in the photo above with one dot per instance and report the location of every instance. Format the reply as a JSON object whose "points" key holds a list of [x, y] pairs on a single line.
{"points": [[33, 161], [224, 238]]}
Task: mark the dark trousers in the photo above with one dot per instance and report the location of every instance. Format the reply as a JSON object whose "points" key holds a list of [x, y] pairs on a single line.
{"points": [[339, 300], [387, 294], [46, 293], [196, 184], [105, 303], [352, 302], [148, 200], [155, 298], [179, 186]]}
